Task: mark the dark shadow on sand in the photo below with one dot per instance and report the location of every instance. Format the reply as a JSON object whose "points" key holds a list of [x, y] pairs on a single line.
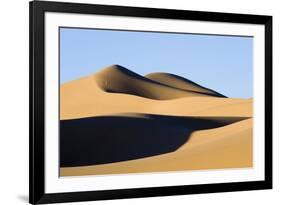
{"points": [[107, 139]]}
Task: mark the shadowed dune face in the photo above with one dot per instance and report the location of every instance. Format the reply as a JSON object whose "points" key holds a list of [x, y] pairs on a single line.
{"points": [[181, 83], [117, 79], [107, 139], [230, 146]]}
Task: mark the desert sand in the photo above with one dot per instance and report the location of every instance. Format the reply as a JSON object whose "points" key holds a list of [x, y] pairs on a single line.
{"points": [[180, 83], [116, 121], [226, 147]]}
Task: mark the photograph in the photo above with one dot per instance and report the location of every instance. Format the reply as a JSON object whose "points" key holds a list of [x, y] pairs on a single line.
{"points": [[130, 102], [135, 101]]}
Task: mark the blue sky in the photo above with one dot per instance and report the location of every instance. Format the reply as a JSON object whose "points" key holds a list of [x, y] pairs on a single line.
{"points": [[221, 63]]}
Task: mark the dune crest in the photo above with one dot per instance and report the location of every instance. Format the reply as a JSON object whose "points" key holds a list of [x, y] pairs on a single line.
{"points": [[83, 98], [179, 82], [118, 79]]}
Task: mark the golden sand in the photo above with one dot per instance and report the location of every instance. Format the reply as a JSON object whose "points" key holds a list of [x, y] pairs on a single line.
{"points": [[229, 146]]}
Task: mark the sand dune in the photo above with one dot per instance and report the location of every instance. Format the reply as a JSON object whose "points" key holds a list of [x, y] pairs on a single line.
{"points": [[116, 121], [181, 83], [84, 98], [120, 137], [225, 147], [117, 79]]}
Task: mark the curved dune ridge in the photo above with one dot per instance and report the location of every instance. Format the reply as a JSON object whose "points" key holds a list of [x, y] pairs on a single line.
{"points": [[181, 83], [84, 98], [117, 121], [117, 79]]}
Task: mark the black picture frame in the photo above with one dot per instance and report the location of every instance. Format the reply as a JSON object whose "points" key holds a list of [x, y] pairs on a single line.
{"points": [[37, 194]]}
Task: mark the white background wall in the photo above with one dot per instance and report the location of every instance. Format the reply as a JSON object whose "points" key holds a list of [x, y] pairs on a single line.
{"points": [[14, 100]]}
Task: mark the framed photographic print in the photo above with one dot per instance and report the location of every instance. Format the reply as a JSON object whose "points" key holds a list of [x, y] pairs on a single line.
{"points": [[140, 102]]}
